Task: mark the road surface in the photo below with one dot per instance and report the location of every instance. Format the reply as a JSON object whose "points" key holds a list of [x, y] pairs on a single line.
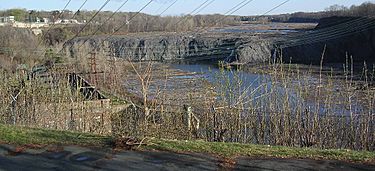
{"points": [[82, 158]]}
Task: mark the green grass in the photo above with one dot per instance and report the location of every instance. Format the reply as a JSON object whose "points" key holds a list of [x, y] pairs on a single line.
{"points": [[26, 136], [232, 150]]}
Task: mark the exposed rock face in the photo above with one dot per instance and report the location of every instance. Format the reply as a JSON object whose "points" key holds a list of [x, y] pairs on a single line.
{"points": [[256, 51], [172, 46], [343, 37]]}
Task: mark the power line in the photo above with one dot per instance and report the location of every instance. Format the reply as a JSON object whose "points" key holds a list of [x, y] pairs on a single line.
{"points": [[343, 29], [108, 19], [91, 19], [208, 4], [350, 31], [53, 25], [330, 29], [162, 5], [199, 8], [240, 7], [192, 12], [236, 8], [131, 18], [330, 37], [174, 48], [119, 28], [230, 12], [278, 6], [66, 5], [243, 4], [233, 8], [165, 10], [125, 23], [79, 9]]}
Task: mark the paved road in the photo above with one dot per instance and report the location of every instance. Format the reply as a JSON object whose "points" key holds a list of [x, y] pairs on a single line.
{"points": [[80, 158]]}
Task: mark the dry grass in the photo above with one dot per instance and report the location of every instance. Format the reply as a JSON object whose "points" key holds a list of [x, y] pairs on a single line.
{"points": [[286, 106]]}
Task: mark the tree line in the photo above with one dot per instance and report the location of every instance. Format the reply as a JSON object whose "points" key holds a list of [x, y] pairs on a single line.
{"points": [[15, 50], [366, 9], [139, 22]]}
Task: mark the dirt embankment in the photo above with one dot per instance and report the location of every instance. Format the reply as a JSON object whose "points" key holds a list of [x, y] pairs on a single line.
{"points": [[341, 37]]}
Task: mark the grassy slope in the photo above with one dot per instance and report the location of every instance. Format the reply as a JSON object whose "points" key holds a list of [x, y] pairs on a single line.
{"points": [[235, 149], [26, 136], [23, 136]]}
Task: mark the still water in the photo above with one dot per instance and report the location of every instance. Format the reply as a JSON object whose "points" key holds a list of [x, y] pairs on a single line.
{"points": [[257, 89]]}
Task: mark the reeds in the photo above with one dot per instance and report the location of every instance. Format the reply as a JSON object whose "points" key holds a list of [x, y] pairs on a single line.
{"points": [[286, 105], [48, 101]]}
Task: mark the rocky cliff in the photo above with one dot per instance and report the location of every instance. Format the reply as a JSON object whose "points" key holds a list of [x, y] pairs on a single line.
{"points": [[186, 47], [341, 37]]}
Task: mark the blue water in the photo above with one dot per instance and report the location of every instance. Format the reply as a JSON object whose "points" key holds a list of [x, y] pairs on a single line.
{"points": [[211, 72], [278, 31], [248, 84], [252, 82]]}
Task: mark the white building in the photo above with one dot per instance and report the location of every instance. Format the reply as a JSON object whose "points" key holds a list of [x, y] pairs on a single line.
{"points": [[67, 21], [45, 20], [8, 19]]}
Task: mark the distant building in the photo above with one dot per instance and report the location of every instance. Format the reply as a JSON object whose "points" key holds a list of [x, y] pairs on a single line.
{"points": [[8, 19], [41, 20], [34, 23], [67, 21], [38, 20], [45, 20]]}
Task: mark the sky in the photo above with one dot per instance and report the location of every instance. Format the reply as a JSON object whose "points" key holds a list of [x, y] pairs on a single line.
{"points": [[256, 7]]}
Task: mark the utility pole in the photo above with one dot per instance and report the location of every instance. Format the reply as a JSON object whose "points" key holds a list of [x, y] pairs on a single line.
{"points": [[112, 78], [93, 66], [114, 69]]}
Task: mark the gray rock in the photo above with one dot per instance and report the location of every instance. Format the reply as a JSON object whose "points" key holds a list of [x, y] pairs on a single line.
{"points": [[343, 37], [188, 47]]}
